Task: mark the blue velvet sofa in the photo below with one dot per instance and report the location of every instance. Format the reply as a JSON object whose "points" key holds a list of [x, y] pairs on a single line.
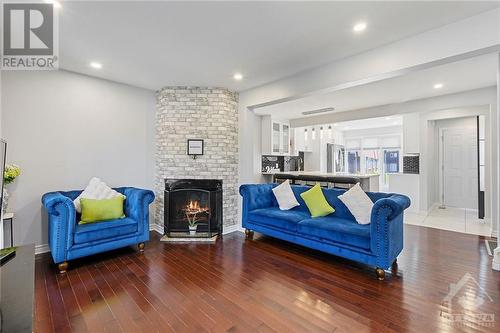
{"points": [[376, 244], [70, 240]]}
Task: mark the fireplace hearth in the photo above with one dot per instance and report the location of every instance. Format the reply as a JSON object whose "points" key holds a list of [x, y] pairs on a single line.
{"points": [[193, 208]]}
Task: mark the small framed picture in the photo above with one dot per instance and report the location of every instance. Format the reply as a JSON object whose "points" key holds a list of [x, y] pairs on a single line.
{"points": [[195, 147]]}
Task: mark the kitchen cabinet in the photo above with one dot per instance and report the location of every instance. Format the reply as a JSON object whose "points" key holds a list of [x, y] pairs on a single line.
{"points": [[299, 142], [411, 133], [275, 137]]}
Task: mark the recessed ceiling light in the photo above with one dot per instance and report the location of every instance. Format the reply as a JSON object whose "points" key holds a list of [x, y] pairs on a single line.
{"points": [[359, 27], [95, 65], [438, 86], [335, 124], [238, 76]]}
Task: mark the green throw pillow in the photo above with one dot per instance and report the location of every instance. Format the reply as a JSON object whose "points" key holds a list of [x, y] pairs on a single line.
{"points": [[100, 210], [316, 202]]}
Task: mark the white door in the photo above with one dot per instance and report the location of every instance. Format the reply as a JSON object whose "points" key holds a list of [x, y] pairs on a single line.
{"points": [[460, 168]]}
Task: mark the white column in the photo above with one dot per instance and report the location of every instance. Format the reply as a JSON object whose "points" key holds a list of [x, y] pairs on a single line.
{"points": [[495, 206]]}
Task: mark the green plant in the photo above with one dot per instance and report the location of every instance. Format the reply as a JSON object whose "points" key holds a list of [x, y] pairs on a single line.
{"points": [[192, 210], [10, 173]]}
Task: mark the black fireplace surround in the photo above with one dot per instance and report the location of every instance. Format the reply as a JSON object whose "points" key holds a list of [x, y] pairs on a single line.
{"points": [[195, 202]]}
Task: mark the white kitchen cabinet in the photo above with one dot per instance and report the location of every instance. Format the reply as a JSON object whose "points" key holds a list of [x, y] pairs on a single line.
{"points": [[275, 137], [411, 133]]}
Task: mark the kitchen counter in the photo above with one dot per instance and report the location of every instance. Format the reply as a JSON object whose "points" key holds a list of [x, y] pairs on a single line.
{"points": [[367, 182]]}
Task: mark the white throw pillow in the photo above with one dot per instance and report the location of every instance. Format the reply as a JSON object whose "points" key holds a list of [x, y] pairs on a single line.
{"points": [[285, 197], [358, 203], [96, 189]]}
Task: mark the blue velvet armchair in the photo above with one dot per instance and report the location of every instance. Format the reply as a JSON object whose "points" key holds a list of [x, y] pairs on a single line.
{"points": [[69, 240]]}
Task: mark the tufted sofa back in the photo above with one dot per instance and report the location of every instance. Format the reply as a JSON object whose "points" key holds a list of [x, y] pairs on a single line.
{"points": [[258, 196]]}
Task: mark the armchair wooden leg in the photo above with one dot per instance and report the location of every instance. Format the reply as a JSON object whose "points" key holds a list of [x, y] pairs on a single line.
{"points": [[63, 267], [141, 247], [394, 266], [248, 234], [380, 273]]}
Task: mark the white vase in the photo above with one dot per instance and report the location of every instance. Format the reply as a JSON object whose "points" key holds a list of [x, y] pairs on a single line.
{"points": [[5, 199], [192, 230]]}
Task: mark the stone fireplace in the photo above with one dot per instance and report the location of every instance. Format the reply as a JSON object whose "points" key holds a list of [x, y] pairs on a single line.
{"points": [[210, 114]]}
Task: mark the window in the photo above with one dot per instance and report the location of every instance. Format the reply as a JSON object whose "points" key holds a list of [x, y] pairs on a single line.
{"points": [[391, 161], [353, 161], [371, 160]]}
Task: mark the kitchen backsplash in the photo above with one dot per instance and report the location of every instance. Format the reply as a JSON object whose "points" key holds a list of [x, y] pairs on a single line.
{"points": [[272, 162], [411, 164], [282, 163]]}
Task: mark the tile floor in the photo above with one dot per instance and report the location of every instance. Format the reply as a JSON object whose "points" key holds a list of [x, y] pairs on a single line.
{"points": [[453, 219]]}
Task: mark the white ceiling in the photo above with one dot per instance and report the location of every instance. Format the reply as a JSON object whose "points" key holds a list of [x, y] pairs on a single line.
{"points": [[154, 44], [369, 123], [464, 75]]}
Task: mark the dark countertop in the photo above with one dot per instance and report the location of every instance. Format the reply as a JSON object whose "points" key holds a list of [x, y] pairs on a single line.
{"points": [[320, 174], [17, 281]]}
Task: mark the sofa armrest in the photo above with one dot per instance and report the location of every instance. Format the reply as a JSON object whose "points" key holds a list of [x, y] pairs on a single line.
{"points": [[62, 222], [255, 196], [387, 228], [55, 203], [137, 205], [392, 205]]}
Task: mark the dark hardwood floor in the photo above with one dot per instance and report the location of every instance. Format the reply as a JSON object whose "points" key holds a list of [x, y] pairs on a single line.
{"points": [[267, 285]]}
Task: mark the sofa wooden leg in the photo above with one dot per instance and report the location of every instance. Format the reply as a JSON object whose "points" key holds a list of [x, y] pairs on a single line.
{"points": [[380, 273], [394, 266], [141, 247], [248, 234], [63, 267]]}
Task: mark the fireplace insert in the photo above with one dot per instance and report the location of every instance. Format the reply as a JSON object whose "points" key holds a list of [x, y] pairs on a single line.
{"points": [[193, 208]]}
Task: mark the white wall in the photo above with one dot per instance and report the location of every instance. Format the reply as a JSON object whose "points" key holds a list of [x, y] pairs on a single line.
{"points": [[62, 129]]}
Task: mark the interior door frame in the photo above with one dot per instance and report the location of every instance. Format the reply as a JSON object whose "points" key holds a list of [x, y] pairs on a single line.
{"points": [[441, 164]]}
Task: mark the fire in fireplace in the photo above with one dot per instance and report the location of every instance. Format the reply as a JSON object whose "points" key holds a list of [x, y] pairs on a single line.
{"points": [[193, 207]]}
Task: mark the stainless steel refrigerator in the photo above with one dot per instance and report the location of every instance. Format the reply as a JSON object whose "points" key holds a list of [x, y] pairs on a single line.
{"points": [[335, 158]]}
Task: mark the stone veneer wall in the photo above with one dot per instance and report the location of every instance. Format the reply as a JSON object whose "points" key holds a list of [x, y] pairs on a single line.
{"points": [[210, 114]]}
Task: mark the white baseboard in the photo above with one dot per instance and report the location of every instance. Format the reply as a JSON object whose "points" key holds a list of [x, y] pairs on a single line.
{"points": [[232, 228], [156, 227], [44, 248]]}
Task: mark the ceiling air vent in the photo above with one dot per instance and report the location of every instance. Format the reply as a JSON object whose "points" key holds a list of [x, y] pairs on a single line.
{"points": [[305, 113]]}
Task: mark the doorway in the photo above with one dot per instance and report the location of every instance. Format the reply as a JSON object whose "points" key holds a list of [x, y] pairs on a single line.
{"points": [[459, 166]]}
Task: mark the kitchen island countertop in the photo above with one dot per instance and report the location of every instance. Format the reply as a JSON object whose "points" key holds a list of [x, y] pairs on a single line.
{"points": [[368, 182], [322, 174]]}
